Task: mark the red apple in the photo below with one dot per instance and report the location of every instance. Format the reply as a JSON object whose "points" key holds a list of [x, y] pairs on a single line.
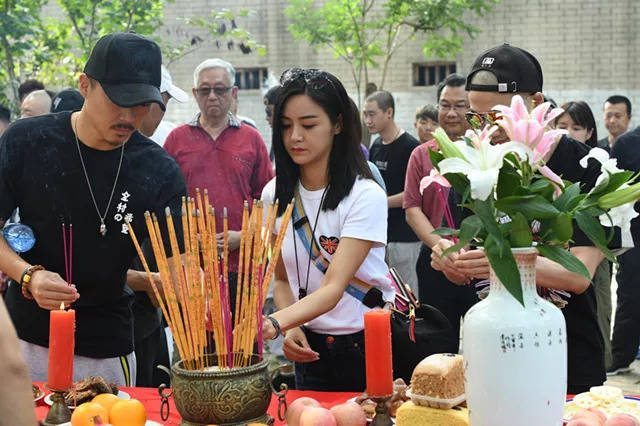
{"points": [[317, 416], [349, 414], [622, 420], [297, 407]]}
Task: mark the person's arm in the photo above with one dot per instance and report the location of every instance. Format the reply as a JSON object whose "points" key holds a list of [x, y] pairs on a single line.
{"points": [[395, 200], [295, 345], [421, 226], [16, 398], [549, 274], [349, 256]]}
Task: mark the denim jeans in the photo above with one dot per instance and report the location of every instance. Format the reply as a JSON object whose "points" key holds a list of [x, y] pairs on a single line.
{"points": [[341, 365]]}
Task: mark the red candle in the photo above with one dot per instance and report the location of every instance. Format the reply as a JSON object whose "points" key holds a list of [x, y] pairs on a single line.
{"points": [[62, 327], [377, 346]]}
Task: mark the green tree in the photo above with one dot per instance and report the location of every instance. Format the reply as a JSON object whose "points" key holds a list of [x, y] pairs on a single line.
{"points": [[367, 34]]}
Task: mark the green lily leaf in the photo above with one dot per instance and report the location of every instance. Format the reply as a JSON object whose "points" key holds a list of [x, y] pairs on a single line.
{"points": [[532, 208], [505, 267], [613, 182], [485, 211], [470, 227], [520, 235], [592, 228], [444, 231], [570, 198], [563, 227], [435, 157], [564, 258], [508, 183]]}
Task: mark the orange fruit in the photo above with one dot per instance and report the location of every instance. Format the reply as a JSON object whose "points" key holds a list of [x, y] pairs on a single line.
{"points": [[106, 400], [128, 412], [84, 413]]}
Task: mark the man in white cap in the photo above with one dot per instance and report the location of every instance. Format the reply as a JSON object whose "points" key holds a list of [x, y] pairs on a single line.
{"points": [[153, 126]]}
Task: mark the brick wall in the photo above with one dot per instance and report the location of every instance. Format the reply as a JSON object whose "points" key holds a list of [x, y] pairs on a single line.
{"points": [[589, 50]]}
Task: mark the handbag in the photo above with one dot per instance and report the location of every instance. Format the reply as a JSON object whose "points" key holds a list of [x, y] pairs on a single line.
{"points": [[417, 330]]}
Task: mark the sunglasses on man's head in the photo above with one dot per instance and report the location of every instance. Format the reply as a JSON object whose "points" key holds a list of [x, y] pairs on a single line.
{"points": [[218, 91], [477, 120]]}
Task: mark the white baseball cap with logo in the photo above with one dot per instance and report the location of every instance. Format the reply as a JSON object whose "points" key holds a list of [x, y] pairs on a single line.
{"points": [[166, 85]]}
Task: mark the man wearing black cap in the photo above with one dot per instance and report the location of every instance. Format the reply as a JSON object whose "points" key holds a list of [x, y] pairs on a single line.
{"points": [[67, 100], [91, 169], [496, 76]]}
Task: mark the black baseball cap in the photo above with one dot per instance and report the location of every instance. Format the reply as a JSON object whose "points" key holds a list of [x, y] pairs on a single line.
{"points": [[515, 69], [67, 100], [128, 67]]}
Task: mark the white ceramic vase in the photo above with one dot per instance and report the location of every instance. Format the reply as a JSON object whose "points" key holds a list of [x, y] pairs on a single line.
{"points": [[515, 356]]}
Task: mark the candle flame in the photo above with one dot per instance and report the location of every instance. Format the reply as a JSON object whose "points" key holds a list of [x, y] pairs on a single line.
{"points": [[62, 306]]}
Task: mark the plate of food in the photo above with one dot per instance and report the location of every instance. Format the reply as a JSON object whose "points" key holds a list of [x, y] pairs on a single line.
{"points": [[148, 423], [602, 403], [88, 388], [38, 393]]}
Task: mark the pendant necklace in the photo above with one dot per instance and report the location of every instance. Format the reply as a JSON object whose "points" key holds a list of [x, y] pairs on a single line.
{"points": [[103, 227]]}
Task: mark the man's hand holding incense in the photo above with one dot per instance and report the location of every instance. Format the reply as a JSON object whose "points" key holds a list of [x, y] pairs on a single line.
{"points": [[296, 347], [234, 240], [50, 290]]}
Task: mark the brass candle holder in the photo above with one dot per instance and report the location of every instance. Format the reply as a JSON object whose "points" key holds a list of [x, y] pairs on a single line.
{"points": [[382, 417], [59, 412]]}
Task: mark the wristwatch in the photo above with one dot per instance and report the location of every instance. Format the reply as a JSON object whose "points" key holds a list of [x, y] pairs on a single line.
{"points": [[25, 279]]}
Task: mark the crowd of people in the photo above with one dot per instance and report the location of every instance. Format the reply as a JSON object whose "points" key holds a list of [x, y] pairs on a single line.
{"points": [[100, 155]]}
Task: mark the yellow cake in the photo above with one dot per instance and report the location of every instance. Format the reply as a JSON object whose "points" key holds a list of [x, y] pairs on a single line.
{"points": [[410, 414]]}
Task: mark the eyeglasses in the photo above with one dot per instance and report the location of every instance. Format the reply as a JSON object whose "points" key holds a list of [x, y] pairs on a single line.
{"points": [[457, 108], [477, 120], [313, 78], [218, 91]]}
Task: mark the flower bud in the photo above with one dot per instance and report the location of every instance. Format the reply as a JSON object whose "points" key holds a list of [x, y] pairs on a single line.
{"points": [[448, 148], [620, 197]]}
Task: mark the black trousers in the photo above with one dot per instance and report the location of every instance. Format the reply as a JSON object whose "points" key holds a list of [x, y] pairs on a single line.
{"points": [[341, 367], [436, 290], [151, 352], [626, 329]]}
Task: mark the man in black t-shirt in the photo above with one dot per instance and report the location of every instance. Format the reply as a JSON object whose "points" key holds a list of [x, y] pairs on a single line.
{"points": [[93, 170], [496, 76], [626, 328], [390, 152]]}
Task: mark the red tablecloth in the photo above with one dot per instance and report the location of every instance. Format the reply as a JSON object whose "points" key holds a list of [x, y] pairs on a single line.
{"points": [[151, 400]]}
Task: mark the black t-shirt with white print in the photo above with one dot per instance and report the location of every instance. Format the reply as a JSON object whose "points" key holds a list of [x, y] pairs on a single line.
{"points": [[41, 173], [392, 161]]}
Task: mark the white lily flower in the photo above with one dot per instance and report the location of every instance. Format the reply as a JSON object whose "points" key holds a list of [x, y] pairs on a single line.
{"points": [[482, 162], [621, 217], [606, 164]]}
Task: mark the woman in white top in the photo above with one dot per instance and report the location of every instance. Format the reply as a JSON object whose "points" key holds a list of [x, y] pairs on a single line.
{"points": [[344, 212]]}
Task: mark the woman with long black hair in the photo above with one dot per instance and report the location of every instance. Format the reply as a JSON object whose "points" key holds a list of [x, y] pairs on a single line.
{"points": [[331, 269]]}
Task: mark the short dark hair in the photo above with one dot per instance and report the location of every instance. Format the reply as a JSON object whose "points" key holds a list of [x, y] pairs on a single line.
{"points": [[346, 160], [384, 100], [272, 94], [427, 112], [5, 114], [582, 115], [28, 86], [619, 99], [452, 80], [546, 98]]}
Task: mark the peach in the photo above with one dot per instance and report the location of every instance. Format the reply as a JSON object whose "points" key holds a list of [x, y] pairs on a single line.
{"points": [[622, 420], [317, 416], [588, 417], [349, 414], [297, 407]]}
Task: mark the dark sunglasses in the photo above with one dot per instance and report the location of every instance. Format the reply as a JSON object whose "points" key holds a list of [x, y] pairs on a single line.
{"points": [[477, 120], [314, 78], [218, 91]]}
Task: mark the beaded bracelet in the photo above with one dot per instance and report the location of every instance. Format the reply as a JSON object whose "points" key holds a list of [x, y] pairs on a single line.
{"points": [[25, 279], [276, 325]]}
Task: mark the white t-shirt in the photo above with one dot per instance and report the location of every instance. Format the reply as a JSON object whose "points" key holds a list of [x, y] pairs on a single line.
{"points": [[361, 214], [162, 131]]}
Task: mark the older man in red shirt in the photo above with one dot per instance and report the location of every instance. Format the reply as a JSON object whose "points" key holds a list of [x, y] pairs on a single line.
{"points": [[217, 152]]}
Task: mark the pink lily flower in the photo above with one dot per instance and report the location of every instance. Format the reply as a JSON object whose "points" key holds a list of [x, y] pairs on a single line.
{"points": [[433, 177], [528, 128]]}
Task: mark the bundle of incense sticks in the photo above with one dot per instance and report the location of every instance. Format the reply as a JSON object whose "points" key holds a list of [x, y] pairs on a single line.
{"points": [[195, 296]]}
